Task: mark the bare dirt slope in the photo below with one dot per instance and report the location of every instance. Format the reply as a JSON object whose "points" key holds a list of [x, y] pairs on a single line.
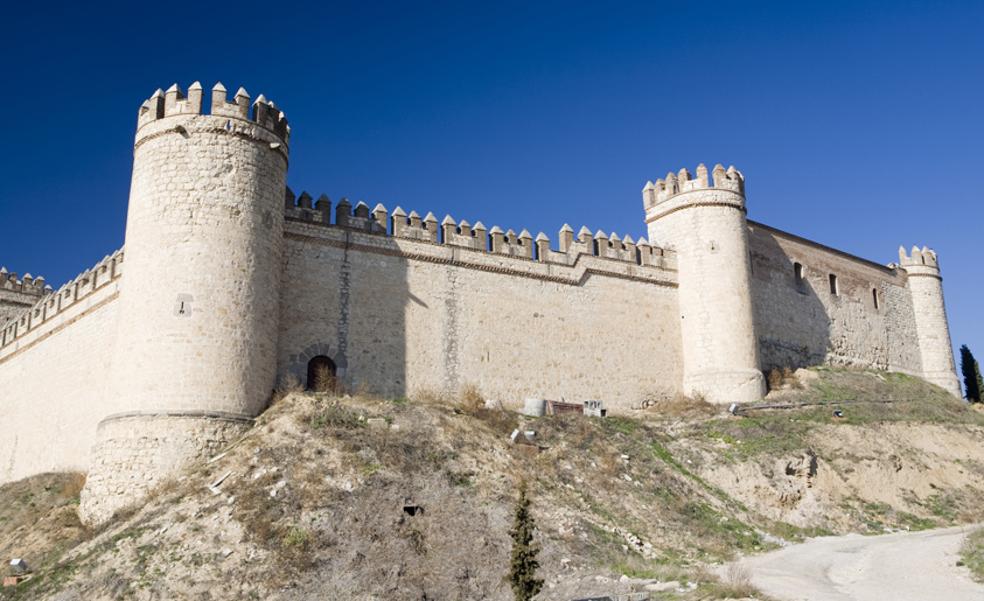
{"points": [[363, 498], [904, 566]]}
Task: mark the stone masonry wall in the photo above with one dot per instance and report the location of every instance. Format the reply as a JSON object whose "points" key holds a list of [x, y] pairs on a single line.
{"points": [[55, 365], [18, 294], [401, 317], [204, 231], [803, 323], [198, 314], [13, 304], [703, 220], [142, 448]]}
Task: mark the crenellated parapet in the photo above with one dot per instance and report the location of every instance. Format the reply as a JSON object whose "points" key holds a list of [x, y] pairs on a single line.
{"points": [[239, 116], [919, 261], [26, 284], [477, 237], [54, 303], [661, 190]]}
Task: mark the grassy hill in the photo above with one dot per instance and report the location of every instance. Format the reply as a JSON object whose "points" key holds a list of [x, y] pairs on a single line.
{"points": [[366, 498]]}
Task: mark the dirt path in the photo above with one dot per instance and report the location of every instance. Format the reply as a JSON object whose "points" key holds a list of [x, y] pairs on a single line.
{"points": [[905, 566]]}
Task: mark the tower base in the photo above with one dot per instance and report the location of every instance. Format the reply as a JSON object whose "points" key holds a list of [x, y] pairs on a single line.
{"points": [[135, 452], [724, 387], [946, 379]]}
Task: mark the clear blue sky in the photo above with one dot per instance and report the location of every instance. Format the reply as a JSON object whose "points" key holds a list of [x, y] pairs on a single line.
{"points": [[857, 124]]}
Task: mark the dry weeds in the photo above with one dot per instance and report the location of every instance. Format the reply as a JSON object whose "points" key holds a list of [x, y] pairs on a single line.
{"points": [[316, 503]]}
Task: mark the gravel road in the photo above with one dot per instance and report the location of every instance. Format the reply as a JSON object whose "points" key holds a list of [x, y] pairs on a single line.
{"points": [[904, 566]]}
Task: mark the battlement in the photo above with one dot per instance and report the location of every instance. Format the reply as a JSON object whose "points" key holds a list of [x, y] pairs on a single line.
{"points": [[925, 257], [53, 303], [28, 284], [477, 236], [174, 102], [720, 178]]}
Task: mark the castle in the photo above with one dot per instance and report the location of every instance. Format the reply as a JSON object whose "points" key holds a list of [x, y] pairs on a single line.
{"points": [[230, 284]]}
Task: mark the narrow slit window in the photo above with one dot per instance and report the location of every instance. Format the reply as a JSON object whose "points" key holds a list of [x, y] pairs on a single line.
{"points": [[833, 284], [874, 298], [798, 277]]}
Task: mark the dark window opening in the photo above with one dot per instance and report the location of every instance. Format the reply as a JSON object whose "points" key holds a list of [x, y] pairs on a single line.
{"points": [[321, 374], [798, 277], [833, 284], [874, 297]]}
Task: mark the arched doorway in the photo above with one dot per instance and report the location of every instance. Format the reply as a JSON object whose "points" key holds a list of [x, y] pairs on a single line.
{"points": [[321, 374]]}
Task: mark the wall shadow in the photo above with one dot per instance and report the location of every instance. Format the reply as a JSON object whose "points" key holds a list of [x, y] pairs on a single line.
{"points": [[792, 323]]}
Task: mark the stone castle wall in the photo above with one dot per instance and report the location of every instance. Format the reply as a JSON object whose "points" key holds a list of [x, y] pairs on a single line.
{"points": [[141, 447], [429, 310], [407, 314], [801, 323], [231, 285], [18, 294], [55, 366]]}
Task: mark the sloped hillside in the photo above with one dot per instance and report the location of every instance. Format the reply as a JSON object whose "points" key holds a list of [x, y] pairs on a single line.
{"points": [[362, 498]]}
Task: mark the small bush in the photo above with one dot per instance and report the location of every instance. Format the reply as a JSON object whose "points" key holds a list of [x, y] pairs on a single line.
{"points": [[524, 564], [737, 584], [785, 378], [790, 379], [471, 397], [417, 541], [296, 537], [775, 379]]}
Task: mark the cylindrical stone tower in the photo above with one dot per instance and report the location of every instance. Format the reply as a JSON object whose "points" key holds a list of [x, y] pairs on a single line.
{"points": [[706, 225], [926, 287], [194, 360]]}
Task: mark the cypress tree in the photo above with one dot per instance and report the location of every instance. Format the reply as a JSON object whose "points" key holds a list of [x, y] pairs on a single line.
{"points": [[973, 384], [523, 567]]}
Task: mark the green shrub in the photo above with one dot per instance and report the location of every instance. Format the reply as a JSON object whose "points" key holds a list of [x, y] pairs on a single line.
{"points": [[523, 567]]}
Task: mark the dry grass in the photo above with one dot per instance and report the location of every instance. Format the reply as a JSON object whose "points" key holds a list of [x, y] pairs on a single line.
{"points": [[680, 405], [38, 518], [332, 414], [73, 485], [336, 518], [471, 397], [736, 584], [864, 397], [972, 554], [775, 379], [288, 386], [783, 379], [430, 396]]}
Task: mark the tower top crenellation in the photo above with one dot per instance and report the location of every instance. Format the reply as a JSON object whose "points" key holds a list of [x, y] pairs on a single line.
{"points": [[683, 181], [163, 104], [923, 257]]}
